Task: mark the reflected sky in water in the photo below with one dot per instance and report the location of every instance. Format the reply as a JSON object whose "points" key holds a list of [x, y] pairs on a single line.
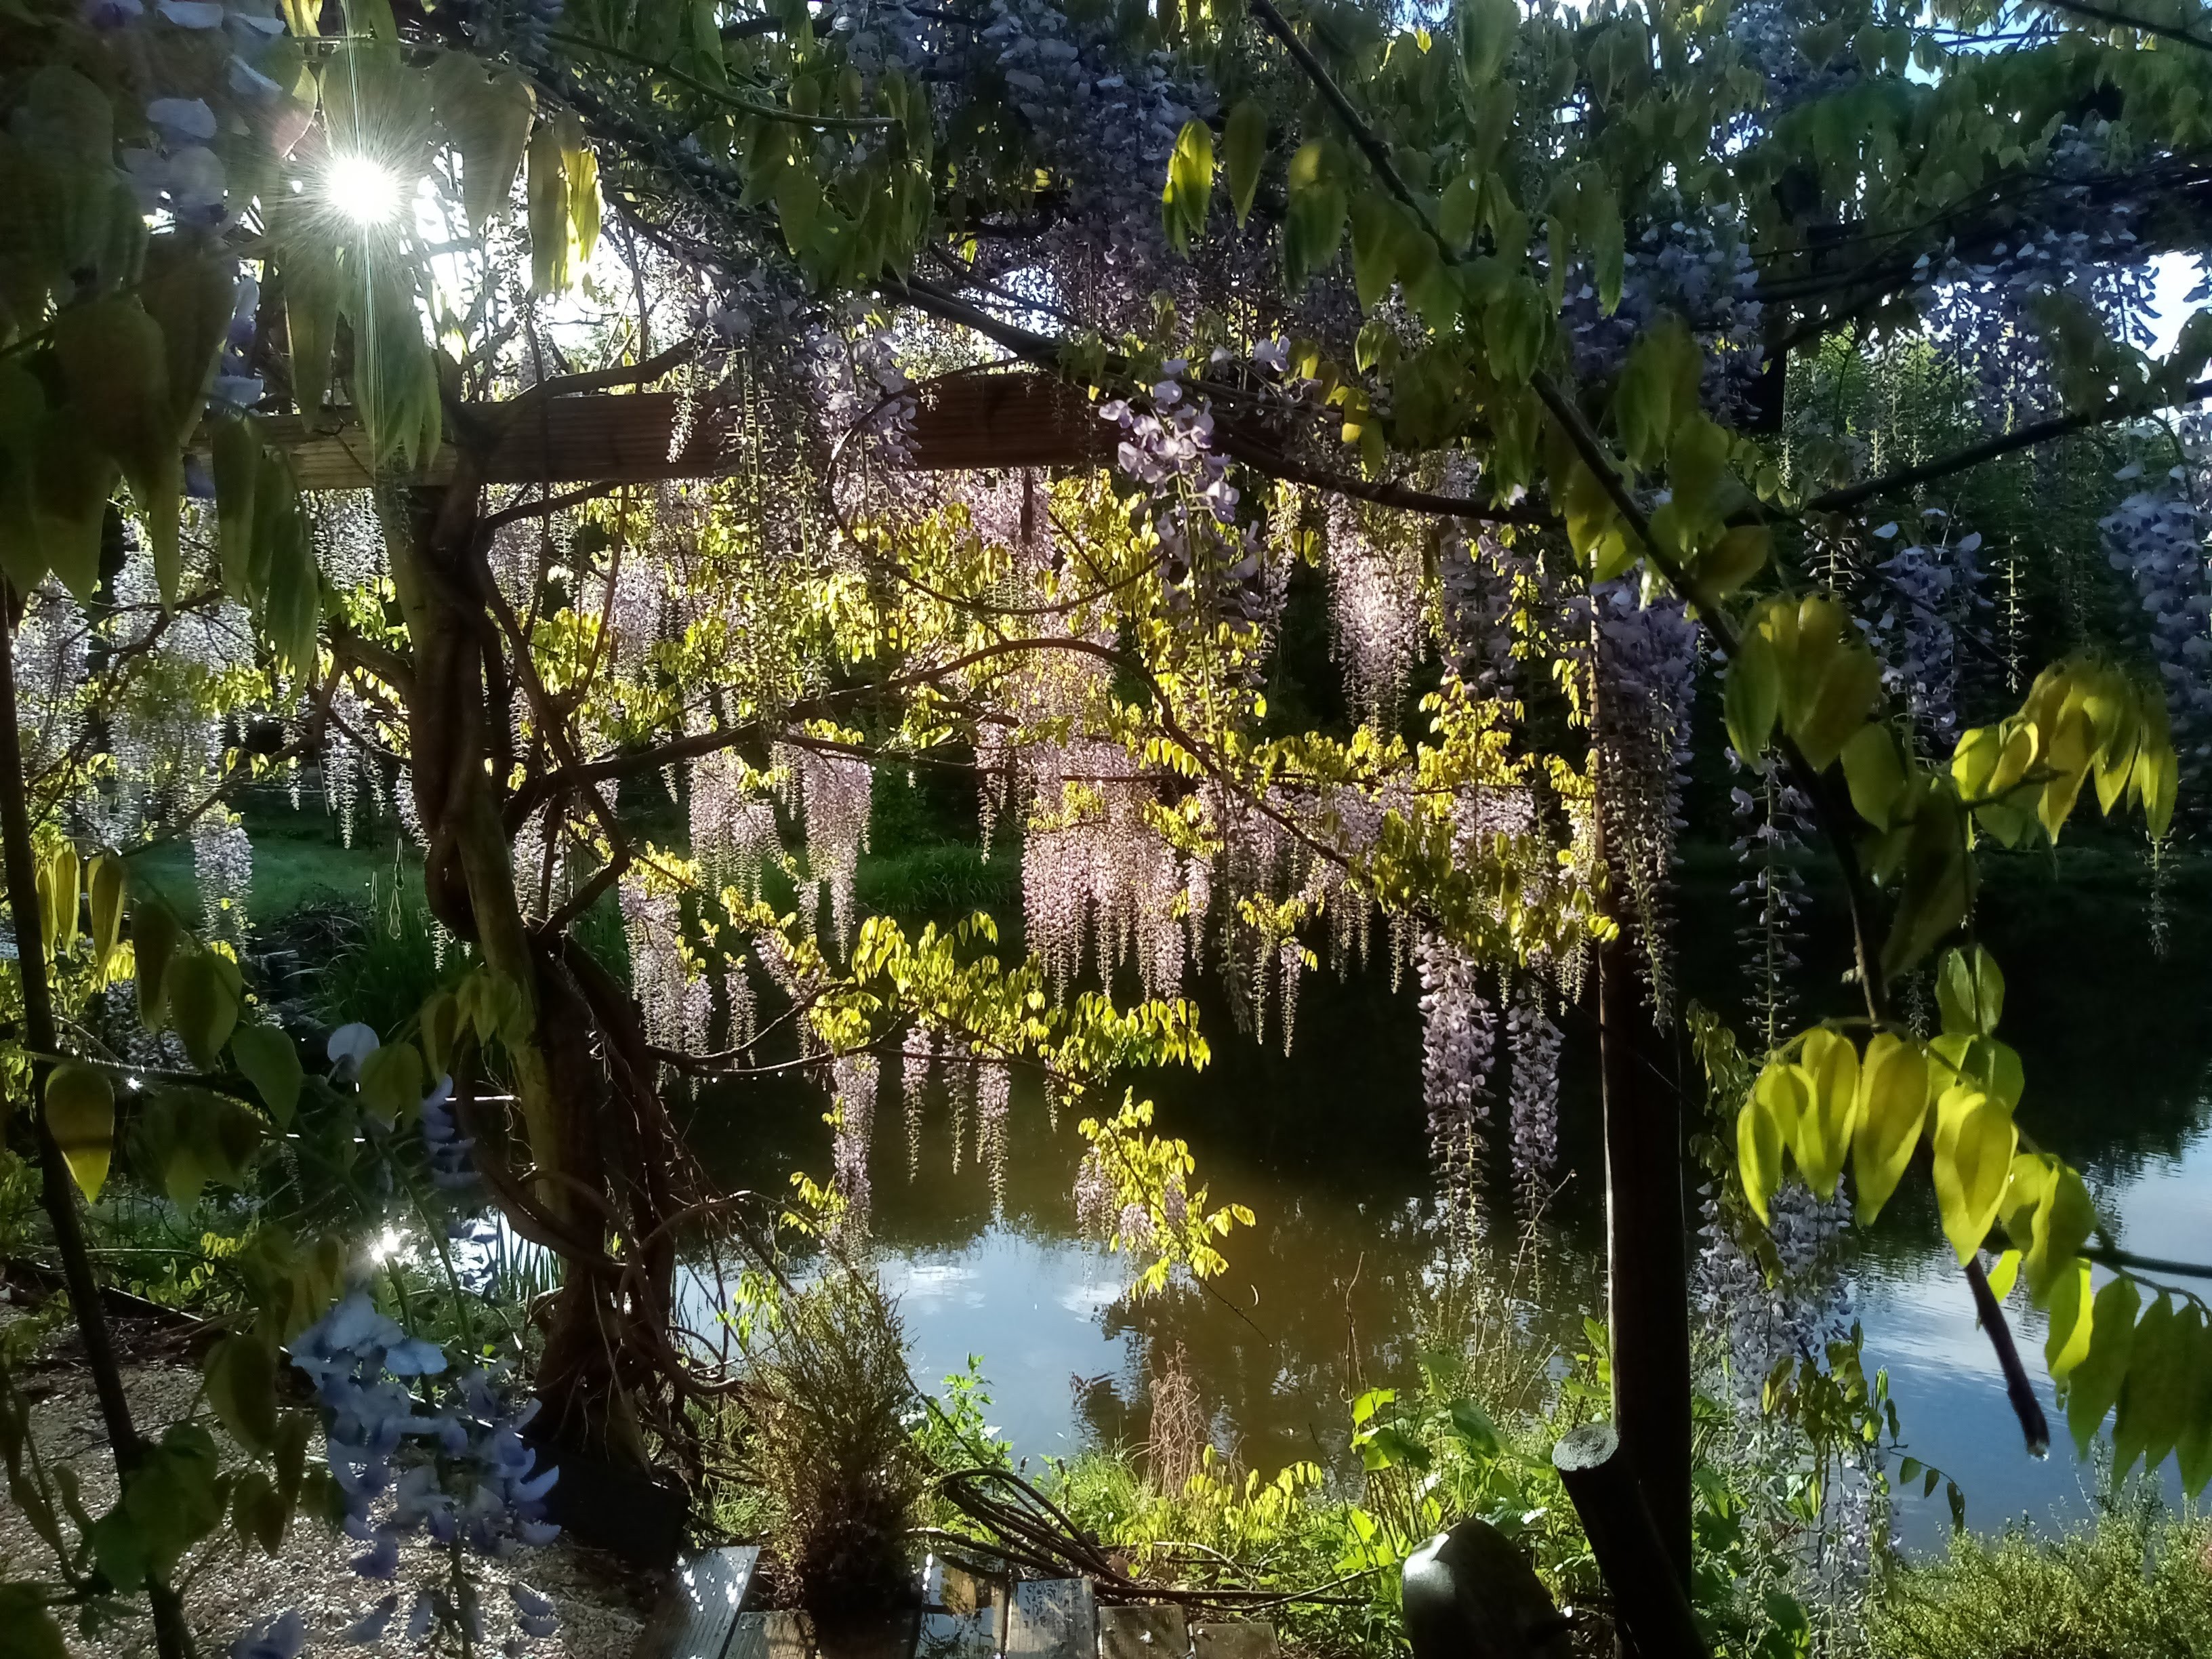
{"points": [[1327, 1145]]}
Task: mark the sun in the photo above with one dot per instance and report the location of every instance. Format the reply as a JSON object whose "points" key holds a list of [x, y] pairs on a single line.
{"points": [[363, 189]]}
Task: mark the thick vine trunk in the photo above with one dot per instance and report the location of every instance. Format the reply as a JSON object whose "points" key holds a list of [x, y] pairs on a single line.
{"points": [[1647, 1248], [599, 1160]]}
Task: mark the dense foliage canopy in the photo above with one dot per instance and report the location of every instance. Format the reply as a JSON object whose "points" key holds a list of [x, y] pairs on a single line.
{"points": [[535, 409]]}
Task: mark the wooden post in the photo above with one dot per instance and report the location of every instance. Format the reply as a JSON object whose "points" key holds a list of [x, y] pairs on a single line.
{"points": [[1648, 1596], [1647, 1248]]}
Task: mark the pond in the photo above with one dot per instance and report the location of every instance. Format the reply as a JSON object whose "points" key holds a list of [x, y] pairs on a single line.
{"points": [[1328, 1145]]}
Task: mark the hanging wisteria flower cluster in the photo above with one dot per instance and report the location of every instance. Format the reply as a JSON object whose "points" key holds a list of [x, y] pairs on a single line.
{"points": [[1926, 605], [412, 1455], [1647, 661], [2158, 539]]}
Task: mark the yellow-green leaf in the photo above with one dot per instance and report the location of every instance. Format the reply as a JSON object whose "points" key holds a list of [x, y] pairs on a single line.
{"points": [[1974, 1140], [1892, 1112], [1830, 1066], [62, 886], [1759, 1153], [81, 1114], [109, 890]]}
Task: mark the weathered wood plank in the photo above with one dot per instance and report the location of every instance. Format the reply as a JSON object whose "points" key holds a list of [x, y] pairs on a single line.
{"points": [[1238, 1638], [1143, 1632], [697, 1613], [1052, 1618]]}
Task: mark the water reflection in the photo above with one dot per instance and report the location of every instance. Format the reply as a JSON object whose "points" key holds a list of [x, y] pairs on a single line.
{"points": [[1327, 1146]]}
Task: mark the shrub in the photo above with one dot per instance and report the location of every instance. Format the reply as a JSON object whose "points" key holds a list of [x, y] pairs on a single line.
{"points": [[2135, 1580]]}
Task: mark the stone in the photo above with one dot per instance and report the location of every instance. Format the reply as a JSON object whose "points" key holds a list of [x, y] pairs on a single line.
{"points": [[1237, 1638], [697, 1613], [1052, 1618], [781, 1635], [1143, 1632]]}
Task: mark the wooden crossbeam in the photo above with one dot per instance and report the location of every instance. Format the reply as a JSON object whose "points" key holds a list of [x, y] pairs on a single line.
{"points": [[973, 421], [961, 423], [612, 438]]}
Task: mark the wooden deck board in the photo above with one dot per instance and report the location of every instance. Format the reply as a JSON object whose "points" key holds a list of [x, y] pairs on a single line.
{"points": [[696, 1613]]}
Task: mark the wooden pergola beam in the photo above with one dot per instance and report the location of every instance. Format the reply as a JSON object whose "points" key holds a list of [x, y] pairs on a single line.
{"points": [[961, 423]]}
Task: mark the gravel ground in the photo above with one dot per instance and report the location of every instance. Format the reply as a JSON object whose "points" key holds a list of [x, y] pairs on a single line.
{"points": [[230, 1586]]}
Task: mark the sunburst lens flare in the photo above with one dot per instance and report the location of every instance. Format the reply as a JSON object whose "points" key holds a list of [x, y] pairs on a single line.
{"points": [[364, 190]]}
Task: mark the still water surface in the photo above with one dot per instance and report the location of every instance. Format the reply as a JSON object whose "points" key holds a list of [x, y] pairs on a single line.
{"points": [[1327, 1147]]}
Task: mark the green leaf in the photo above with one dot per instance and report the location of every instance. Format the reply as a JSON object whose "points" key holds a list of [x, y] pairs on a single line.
{"points": [[256, 1514], [1875, 772], [1938, 889], [2062, 1224], [1313, 225], [547, 192], [311, 285], [1739, 554], [1975, 1137], [1970, 991], [1374, 260], [2155, 1400], [1365, 1407], [23, 418], [1752, 697], [241, 1380], [28, 1629], [1849, 689], [1243, 153], [2094, 1384], [271, 1065], [1892, 1112], [391, 1083], [80, 1110], [1487, 33], [174, 1497], [1474, 1428], [1188, 195], [237, 468], [1830, 1066], [2193, 1451], [285, 558], [487, 119], [201, 1005], [1389, 1448], [2072, 1318]]}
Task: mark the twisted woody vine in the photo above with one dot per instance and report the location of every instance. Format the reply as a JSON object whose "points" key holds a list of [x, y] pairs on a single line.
{"points": [[545, 412]]}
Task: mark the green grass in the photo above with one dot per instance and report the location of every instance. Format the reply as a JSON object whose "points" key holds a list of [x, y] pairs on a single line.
{"points": [[296, 863], [2133, 1583]]}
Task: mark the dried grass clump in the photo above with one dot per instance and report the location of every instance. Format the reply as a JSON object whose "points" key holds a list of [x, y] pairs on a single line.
{"points": [[830, 1398]]}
